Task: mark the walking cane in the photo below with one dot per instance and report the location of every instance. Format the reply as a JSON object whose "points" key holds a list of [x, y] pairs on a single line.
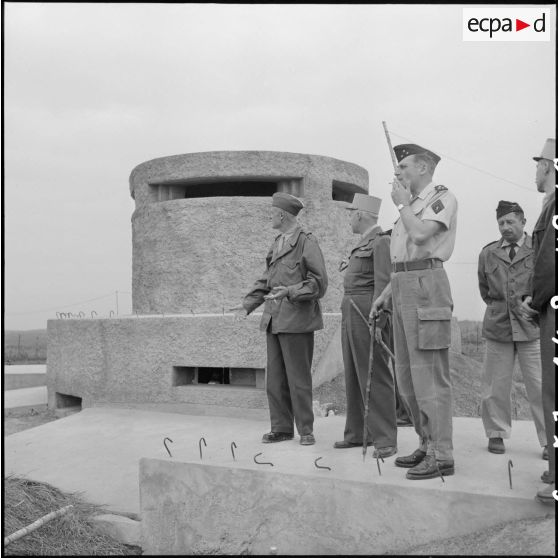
{"points": [[380, 340], [369, 380], [368, 384]]}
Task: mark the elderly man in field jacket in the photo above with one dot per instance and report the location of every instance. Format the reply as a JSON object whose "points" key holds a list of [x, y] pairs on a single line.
{"points": [[294, 280], [505, 270]]}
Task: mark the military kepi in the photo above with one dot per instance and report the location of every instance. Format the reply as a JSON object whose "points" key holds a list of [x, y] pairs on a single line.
{"points": [[505, 207], [287, 202], [548, 150], [364, 202], [406, 149]]}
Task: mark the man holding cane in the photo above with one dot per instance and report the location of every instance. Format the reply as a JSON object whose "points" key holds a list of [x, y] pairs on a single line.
{"points": [[422, 239], [367, 272]]}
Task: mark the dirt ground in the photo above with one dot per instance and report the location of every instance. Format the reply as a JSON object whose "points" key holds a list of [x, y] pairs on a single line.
{"points": [[16, 420]]}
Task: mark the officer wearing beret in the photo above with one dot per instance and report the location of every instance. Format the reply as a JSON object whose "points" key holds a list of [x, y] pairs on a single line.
{"points": [[536, 305], [422, 239], [367, 272], [294, 280], [505, 270]]}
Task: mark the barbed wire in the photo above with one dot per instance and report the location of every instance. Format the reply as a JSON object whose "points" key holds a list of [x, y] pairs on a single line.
{"points": [[533, 190], [53, 309]]}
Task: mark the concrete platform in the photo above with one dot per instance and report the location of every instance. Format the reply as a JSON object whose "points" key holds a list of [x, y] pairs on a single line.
{"points": [[19, 376], [26, 397], [97, 452]]}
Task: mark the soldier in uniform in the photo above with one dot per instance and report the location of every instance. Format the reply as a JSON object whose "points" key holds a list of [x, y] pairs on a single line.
{"points": [[422, 239], [537, 302], [505, 271], [367, 272], [294, 280]]}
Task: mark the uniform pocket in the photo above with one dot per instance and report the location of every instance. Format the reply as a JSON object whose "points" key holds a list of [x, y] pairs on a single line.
{"points": [[434, 327]]}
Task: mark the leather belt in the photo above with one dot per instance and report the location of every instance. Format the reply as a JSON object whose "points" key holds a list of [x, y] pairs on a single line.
{"points": [[430, 263]]}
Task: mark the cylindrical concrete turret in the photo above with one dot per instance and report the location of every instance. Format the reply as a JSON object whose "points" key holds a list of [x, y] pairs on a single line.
{"points": [[202, 227]]}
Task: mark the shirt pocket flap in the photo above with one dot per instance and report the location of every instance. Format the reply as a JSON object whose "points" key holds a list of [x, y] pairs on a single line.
{"points": [[436, 313]]}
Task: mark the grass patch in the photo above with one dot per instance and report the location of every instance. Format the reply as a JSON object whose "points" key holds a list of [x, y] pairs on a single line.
{"points": [[73, 534]]}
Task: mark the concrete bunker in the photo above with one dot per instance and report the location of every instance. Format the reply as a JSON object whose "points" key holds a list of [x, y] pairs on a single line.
{"points": [[200, 232]]}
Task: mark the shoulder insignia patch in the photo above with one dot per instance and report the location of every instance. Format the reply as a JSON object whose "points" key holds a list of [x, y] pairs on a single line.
{"points": [[437, 206], [440, 188]]}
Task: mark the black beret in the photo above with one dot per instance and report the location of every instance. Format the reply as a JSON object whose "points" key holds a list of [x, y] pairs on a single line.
{"points": [[505, 207], [406, 149]]}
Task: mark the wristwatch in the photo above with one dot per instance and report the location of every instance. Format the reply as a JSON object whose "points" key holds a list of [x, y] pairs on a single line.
{"points": [[400, 207]]}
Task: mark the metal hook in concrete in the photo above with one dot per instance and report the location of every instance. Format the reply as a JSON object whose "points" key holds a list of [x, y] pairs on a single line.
{"points": [[204, 443], [510, 465], [261, 462], [233, 445], [70, 315], [58, 315], [165, 444], [378, 463], [81, 314], [111, 313], [93, 312], [440, 472], [320, 466]]}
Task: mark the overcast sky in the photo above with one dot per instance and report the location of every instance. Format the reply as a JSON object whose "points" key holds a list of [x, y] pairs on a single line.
{"points": [[92, 90]]}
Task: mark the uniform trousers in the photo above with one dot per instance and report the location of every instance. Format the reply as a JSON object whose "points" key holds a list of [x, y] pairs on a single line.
{"points": [[355, 344], [547, 323], [423, 375], [289, 381], [497, 385]]}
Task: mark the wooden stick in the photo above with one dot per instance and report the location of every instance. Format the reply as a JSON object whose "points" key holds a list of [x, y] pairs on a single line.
{"points": [[391, 152], [35, 525]]}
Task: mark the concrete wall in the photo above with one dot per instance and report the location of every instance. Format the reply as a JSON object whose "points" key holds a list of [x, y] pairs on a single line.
{"points": [[191, 508], [130, 360]]}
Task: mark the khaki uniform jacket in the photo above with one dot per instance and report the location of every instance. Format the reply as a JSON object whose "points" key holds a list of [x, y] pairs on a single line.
{"points": [[300, 266], [542, 288], [502, 284], [369, 266]]}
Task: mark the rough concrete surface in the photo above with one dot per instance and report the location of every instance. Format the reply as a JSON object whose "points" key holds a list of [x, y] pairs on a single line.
{"points": [[191, 508], [203, 254], [131, 360]]}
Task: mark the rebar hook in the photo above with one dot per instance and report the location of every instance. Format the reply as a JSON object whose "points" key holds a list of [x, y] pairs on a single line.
{"points": [[204, 443], [165, 444], [378, 463], [510, 465], [440, 472], [261, 462], [233, 445], [320, 466]]}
